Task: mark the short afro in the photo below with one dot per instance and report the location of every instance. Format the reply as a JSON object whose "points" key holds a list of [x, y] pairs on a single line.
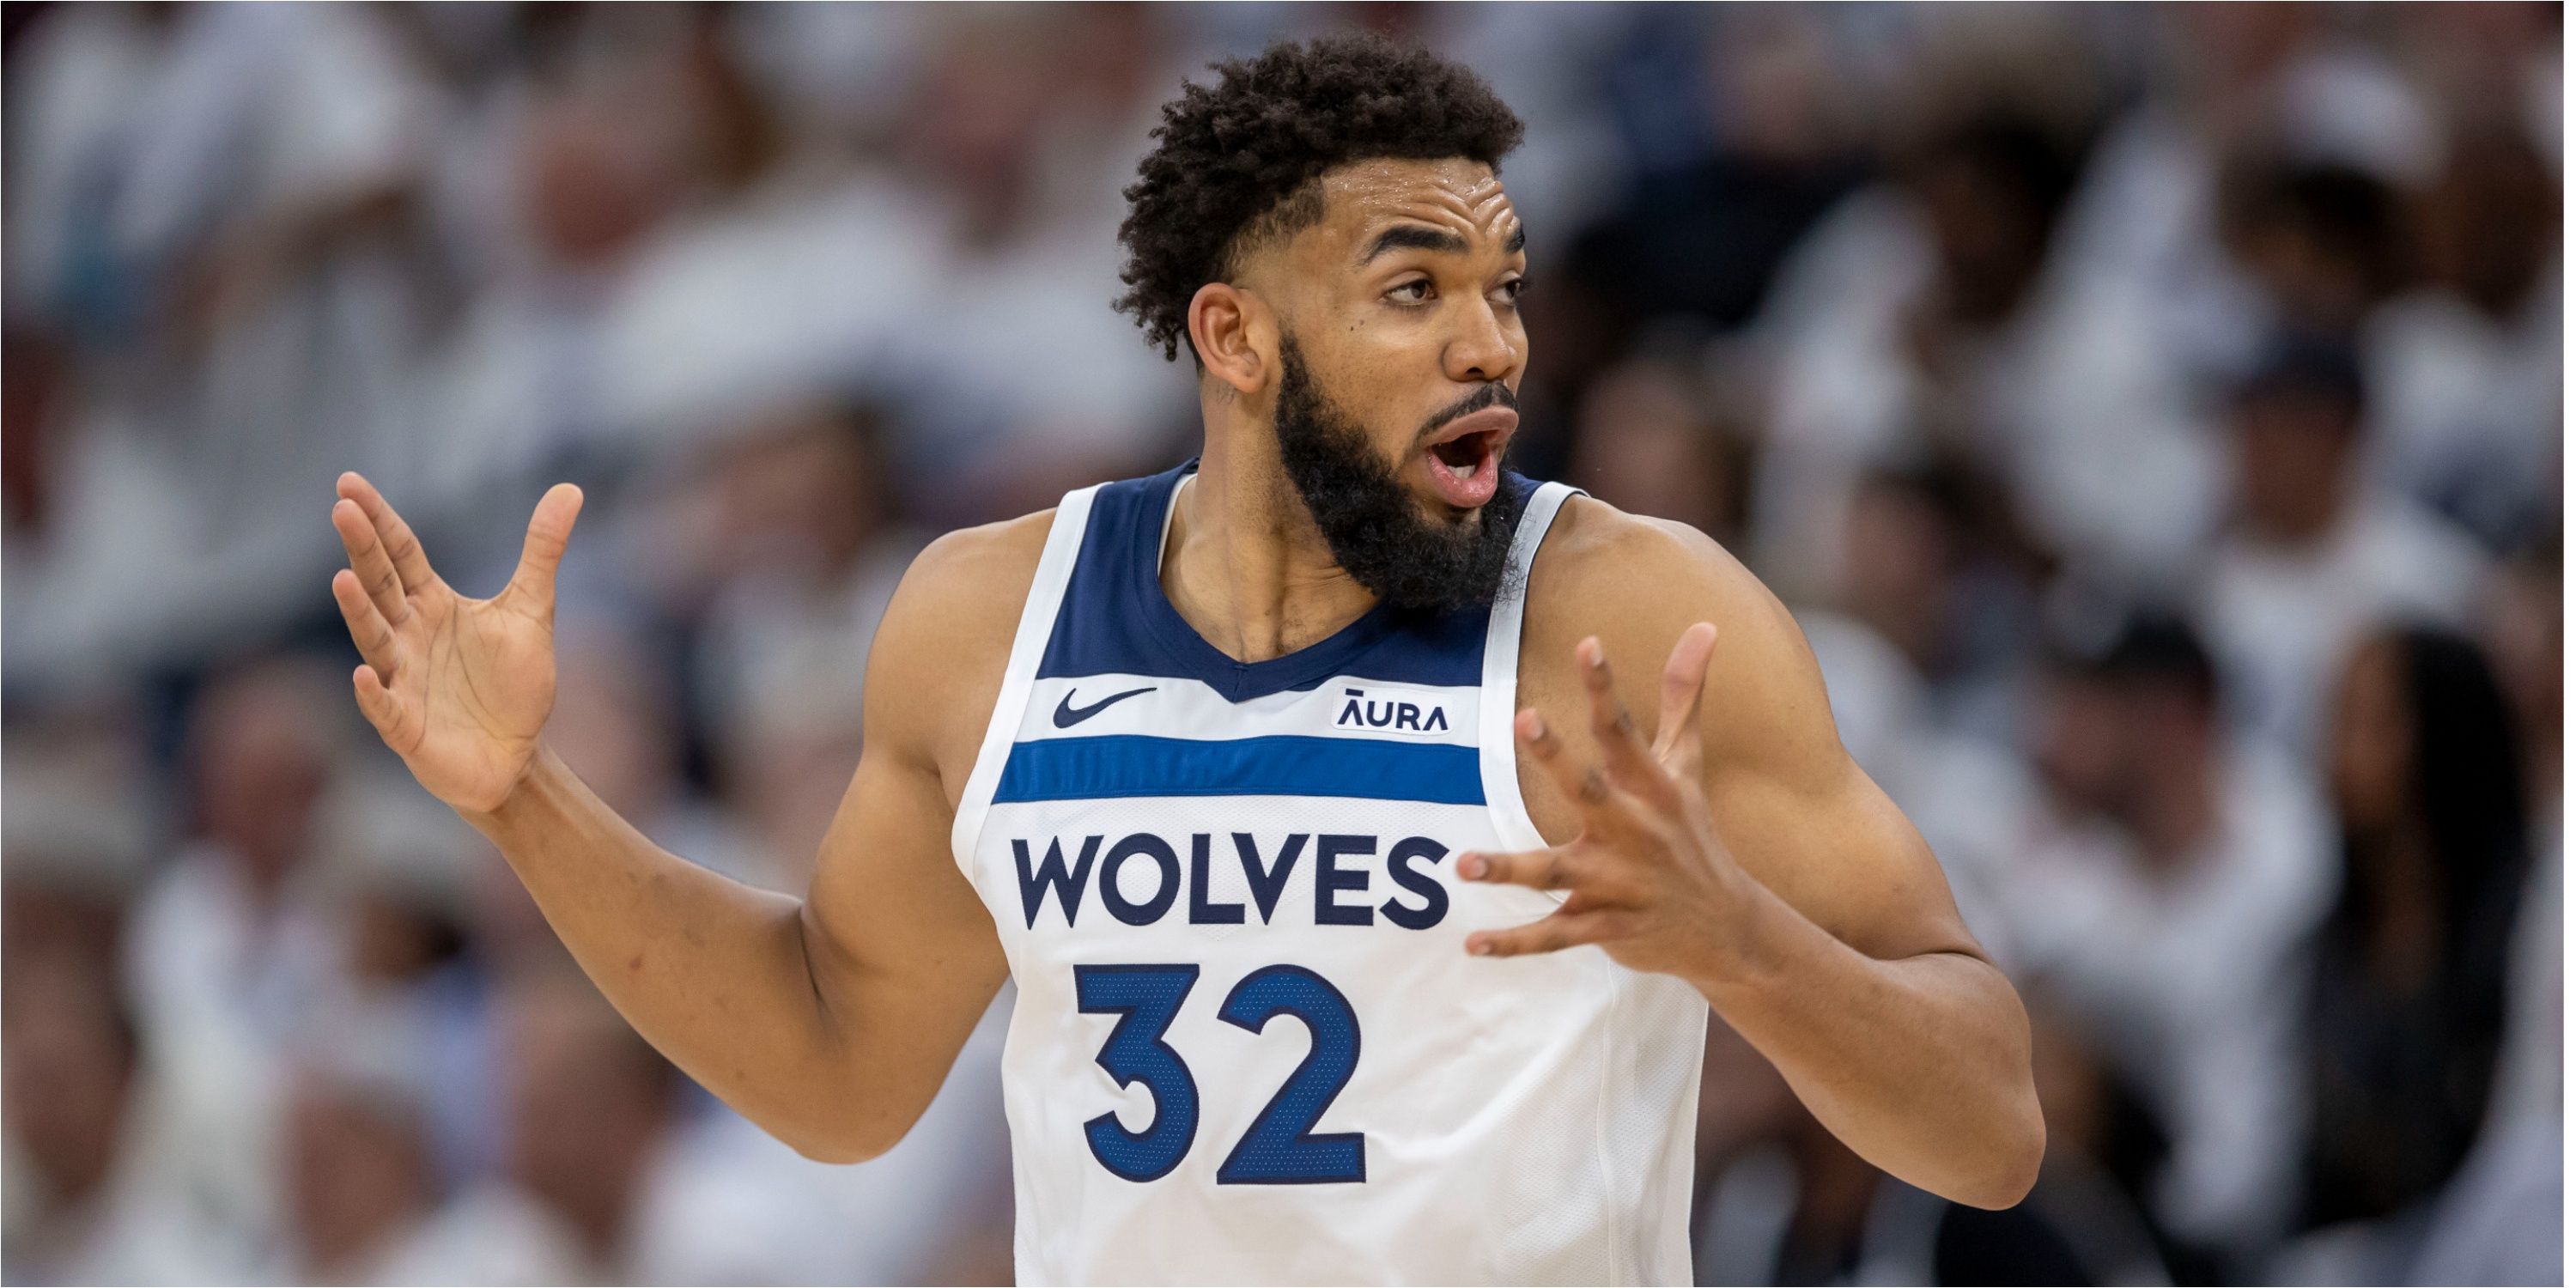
{"points": [[1234, 162]]}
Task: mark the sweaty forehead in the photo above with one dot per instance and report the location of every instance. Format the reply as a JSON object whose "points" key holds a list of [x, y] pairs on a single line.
{"points": [[1362, 198]]}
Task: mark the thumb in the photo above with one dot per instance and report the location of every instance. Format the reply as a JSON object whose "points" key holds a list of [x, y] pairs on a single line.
{"points": [[549, 530], [1677, 733]]}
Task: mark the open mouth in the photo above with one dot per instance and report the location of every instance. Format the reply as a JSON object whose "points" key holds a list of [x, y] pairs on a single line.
{"points": [[1465, 465], [1463, 455]]}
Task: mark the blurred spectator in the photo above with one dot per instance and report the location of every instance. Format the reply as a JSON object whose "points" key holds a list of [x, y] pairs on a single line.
{"points": [[399, 871], [2161, 899], [2319, 240], [2466, 368], [2409, 1006], [1720, 195], [589, 1105], [817, 546], [616, 723], [2315, 552], [73, 1212], [75, 839], [231, 941], [1655, 439], [1798, 1207], [364, 1196], [2526, 631]]}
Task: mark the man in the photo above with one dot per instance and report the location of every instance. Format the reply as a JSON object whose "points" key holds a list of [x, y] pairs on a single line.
{"points": [[1330, 725]]}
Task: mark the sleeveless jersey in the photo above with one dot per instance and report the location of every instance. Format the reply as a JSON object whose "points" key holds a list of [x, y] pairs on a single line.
{"points": [[1249, 1044]]}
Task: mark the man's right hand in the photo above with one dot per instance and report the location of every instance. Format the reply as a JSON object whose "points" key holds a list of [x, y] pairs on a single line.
{"points": [[458, 687]]}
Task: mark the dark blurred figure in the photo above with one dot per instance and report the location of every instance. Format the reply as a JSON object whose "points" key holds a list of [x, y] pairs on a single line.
{"points": [[35, 384], [1777, 142], [2526, 632], [2321, 240], [2409, 1004], [2488, 226], [1993, 185], [1804, 1209], [1779, 1201]]}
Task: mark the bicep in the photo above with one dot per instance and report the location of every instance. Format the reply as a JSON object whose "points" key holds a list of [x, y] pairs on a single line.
{"points": [[896, 934], [1802, 816], [1840, 852], [903, 954]]}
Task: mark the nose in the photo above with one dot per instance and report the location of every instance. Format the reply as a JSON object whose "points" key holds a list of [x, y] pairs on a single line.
{"points": [[1483, 350]]}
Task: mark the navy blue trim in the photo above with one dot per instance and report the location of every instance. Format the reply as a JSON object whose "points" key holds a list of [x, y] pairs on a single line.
{"points": [[1129, 765], [1116, 619]]}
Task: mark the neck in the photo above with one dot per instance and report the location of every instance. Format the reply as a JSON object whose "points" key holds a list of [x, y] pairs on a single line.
{"points": [[1245, 564]]}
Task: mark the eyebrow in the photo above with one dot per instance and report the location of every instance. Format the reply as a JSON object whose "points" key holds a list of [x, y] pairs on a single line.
{"points": [[1418, 237], [1415, 237]]}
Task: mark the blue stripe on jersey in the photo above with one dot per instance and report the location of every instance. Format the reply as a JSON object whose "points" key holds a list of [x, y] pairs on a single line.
{"points": [[1125, 765], [1117, 620]]}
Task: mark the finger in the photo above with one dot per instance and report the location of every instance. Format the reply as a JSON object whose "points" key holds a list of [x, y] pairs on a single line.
{"points": [[409, 561], [1555, 868], [1623, 749], [549, 531], [1583, 784], [1554, 932], [1677, 731], [1591, 876], [1606, 811], [378, 706], [367, 628], [373, 568]]}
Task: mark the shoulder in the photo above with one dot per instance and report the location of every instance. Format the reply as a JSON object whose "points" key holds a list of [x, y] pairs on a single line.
{"points": [[961, 578], [936, 667], [1629, 578], [1636, 583]]}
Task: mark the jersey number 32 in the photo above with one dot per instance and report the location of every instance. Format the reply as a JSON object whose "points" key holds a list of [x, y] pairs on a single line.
{"points": [[1282, 1147]]}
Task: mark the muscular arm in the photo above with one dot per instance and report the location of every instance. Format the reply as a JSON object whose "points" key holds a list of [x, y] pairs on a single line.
{"points": [[1842, 958], [830, 1021]]}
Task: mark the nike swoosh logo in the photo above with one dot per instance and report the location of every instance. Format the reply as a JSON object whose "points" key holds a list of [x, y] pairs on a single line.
{"points": [[1068, 715]]}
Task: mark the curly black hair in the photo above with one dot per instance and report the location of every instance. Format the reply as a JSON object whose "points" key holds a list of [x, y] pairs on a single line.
{"points": [[1236, 162]]}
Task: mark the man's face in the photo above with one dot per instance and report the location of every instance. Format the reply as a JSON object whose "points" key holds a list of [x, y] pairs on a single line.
{"points": [[1400, 357]]}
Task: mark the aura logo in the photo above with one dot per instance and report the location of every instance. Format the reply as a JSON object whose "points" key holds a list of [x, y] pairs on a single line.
{"points": [[1360, 711]]}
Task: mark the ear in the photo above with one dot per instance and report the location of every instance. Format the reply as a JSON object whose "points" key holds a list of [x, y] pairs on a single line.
{"points": [[1234, 335]]}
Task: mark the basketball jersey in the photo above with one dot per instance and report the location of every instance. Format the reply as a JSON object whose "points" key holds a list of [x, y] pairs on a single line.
{"points": [[1249, 1044]]}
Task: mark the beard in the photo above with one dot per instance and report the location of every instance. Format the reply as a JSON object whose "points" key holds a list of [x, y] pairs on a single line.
{"points": [[1375, 528]]}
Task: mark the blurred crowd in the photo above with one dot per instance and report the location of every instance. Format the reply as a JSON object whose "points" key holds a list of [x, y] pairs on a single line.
{"points": [[2151, 413]]}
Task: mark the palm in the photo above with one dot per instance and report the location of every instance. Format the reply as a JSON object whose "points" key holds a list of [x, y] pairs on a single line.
{"points": [[458, 687]]}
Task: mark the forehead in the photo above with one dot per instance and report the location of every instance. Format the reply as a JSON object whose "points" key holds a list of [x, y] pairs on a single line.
{"points": [[1363, 197]]}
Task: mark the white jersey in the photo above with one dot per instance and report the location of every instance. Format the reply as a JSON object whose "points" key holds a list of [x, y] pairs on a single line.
{"points": [[1249, 1044]]}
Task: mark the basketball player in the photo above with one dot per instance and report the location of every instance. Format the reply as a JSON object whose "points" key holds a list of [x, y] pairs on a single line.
{"points": [[1359, 931]]}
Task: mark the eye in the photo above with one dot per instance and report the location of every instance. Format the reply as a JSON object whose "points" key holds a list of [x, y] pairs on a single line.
{"points": [[1512, 289], [1416, 291]]}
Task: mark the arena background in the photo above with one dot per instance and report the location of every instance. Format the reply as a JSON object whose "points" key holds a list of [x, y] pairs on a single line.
{"points": [[2151, 412]]}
